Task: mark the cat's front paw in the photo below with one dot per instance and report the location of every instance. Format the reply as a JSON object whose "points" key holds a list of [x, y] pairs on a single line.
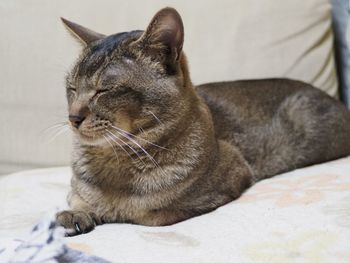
{"points": [[77, 222]]}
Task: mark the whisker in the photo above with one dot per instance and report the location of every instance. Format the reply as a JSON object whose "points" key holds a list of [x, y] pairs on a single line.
{"points": [[159, 121], [124, 143], [61, 131], [111, 146], [148, 155], [55, 126], [136, 143], [130, 134], [113, 140]]}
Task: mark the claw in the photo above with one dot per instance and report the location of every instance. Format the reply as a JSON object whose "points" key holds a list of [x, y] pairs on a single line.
{"points": [[77, 227]]}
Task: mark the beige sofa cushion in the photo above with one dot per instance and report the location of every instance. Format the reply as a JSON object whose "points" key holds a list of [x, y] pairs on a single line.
{"points": [[298, 217], [224, 40]]}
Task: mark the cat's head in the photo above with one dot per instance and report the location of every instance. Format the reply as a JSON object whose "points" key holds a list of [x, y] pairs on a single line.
{"points": [[128, 82]]}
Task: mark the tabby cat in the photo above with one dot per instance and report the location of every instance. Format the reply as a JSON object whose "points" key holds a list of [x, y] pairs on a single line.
{"points": [[152, 149]]}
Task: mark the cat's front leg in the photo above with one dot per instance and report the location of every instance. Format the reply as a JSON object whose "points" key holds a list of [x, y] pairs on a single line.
{"points": [[77, 222], [80, 218]]}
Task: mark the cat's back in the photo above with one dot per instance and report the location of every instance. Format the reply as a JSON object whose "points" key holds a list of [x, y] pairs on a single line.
{"points": [[243, 88], [251, 99], [277, 123]]}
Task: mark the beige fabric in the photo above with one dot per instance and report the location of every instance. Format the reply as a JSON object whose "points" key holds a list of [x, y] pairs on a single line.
{"points": [[298, 217], [225, 40]]}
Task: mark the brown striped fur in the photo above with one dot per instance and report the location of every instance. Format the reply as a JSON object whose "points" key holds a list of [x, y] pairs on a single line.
{"points": [[183, 150]]}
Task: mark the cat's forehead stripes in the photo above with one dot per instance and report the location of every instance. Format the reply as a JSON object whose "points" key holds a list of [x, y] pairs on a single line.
{"points": [[97, 55]]}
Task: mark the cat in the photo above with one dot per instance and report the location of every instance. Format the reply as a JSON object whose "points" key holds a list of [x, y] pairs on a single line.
{"points": [[152, 149]]}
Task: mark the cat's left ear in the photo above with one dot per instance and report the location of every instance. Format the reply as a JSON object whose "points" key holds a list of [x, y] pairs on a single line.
{"points": [[164, 36], [83, 34]]}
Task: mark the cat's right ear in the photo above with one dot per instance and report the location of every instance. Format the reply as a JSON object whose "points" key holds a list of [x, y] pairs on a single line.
{"points": [[84, 35], [164, 37]]}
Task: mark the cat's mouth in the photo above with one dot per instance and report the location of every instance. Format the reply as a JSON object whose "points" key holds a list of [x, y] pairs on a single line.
{"points": [[91, 137], [98, 137], [105, 134]]}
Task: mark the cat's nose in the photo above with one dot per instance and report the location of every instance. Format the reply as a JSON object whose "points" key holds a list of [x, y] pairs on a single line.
{"points": [[76, 120]]}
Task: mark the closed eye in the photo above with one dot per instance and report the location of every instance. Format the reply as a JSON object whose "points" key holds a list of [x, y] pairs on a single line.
{"points": [[100, 91], [71, 92], [117, 91], [72, 89]]}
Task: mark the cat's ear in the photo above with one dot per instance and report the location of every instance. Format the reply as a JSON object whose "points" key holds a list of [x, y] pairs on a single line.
{"points": [[83, 34], [164, 36]]}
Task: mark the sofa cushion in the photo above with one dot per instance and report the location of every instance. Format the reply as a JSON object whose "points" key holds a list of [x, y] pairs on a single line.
{"points": [[300, 216]]}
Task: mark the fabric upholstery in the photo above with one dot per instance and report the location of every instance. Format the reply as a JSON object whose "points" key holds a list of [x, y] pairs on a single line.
{"points": [[230, 40], [300, 216]]}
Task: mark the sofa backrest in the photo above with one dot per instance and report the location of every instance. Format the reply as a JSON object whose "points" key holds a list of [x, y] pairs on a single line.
{"points": [[224, 40]]}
